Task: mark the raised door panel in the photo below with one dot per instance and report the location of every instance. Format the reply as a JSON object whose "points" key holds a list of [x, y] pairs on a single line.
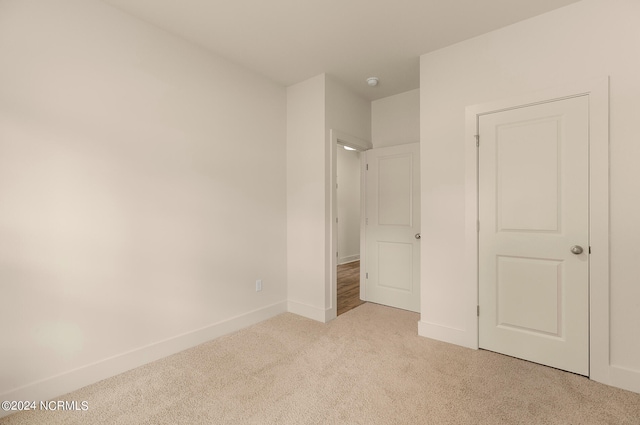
{"points": [[527, 167], [395, 190]]}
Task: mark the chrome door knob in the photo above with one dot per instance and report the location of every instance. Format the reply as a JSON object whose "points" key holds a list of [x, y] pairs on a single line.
{"points": [[576, 249], [418, 236]]}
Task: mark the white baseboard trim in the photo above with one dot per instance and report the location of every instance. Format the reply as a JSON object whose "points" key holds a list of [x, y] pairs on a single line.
{"points": [[308, 311], [445, 334], [624, 378], [348, 259], [72, 380]]}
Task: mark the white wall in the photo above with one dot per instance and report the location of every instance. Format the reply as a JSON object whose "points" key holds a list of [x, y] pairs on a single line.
{"points": [[306, 198], [347, 112], [348, 197], [589, 39], [142, 183], [314, 108], [395, 120], [350, 115]]}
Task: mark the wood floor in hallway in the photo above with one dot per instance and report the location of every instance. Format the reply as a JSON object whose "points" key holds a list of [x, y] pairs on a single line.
{"points": [[348, 287]]}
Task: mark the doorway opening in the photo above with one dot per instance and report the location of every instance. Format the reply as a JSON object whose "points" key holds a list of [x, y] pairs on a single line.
{"points": [[348, 196], [346, 223]]}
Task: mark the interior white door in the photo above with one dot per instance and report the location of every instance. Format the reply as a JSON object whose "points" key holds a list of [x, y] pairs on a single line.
{"points": [[392, 219], [533, 221]]}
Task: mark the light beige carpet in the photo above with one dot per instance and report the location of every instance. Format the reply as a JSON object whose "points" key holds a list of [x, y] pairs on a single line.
{"points": [[368, 366]]}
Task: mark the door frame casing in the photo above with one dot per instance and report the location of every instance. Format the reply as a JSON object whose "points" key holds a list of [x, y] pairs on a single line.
{"points": [[338, 138], [598, 93]]}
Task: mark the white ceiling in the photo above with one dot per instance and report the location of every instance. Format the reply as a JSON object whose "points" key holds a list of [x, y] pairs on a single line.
{"points": [[292, 40]]}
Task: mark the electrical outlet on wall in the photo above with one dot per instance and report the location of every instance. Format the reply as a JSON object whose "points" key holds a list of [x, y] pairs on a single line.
{"points": [[258, 285]]}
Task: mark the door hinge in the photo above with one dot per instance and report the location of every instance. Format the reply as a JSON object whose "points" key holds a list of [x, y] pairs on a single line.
{"points": [[336, 219], [477, 136], [366, 221], [367, 167], [367, 275], [478, 311], [589, 250]]}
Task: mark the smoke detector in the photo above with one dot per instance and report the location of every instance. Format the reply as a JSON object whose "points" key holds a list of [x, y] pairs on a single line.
{"points": [[372, 81]]}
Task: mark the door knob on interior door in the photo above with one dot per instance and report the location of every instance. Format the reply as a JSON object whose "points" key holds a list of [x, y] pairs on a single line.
{"points": [[576, 249], [418, 236]]}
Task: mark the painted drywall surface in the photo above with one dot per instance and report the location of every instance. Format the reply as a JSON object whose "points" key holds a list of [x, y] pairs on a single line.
{"points": [[395, 120], [346, 112], [348, 197], [142, 183], [306, 196], [590, 39], [314, 108]]}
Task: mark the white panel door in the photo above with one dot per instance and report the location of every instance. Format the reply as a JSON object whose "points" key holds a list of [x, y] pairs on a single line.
{"points": [[533, 210], [392, 220]]}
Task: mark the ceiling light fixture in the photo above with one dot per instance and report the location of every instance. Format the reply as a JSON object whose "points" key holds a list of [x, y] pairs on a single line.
{"points": [[348, 148], [373, 81]]}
